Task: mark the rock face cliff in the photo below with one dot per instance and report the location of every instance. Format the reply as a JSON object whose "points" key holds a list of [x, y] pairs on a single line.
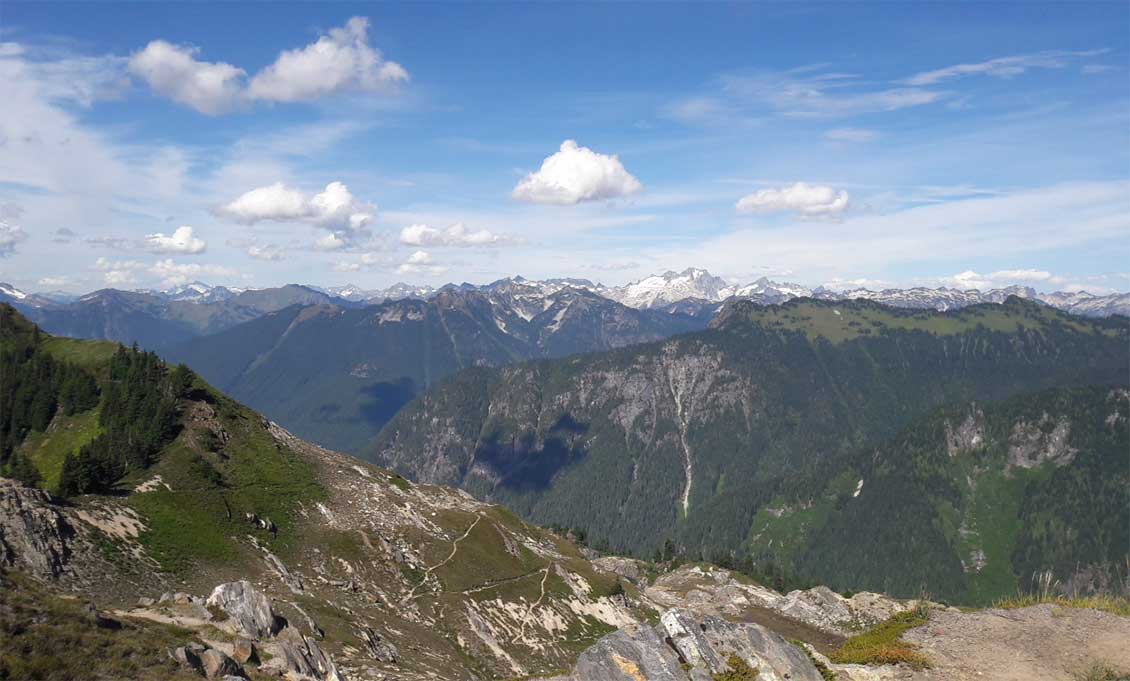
{"points": [[775, 410]]}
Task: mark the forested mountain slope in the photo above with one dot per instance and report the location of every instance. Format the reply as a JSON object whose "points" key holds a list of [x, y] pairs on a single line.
{"points": [[692, 438], [336, 375]]}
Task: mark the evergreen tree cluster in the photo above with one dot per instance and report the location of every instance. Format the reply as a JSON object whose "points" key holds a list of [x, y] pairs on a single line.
{"points": [[34, 386], [138, 418]]}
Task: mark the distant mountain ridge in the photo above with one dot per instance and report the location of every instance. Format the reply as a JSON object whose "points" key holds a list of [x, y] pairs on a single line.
{"points": [[160, 319], [656, 291], [336, 373]]}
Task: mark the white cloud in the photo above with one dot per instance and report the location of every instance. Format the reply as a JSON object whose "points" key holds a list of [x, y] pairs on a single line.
{"points": [[859, 282], [1001, 279], [335, 209], [53, 281], [575, 174], [268, 252], [10, 235], [820, 95], [421, 262], [173, 71], [174, 274], [857, 135], [457, 236], [340, 60], [79, 79], [168, 272], [1002, 67], [181, 241], [1028, 222], [344, 266], [275, 202], [118, 272], [805, 199]]}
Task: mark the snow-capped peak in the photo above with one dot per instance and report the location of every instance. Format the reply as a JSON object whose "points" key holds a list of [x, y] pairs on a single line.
{"points": [[12, 291], [671, 287]]}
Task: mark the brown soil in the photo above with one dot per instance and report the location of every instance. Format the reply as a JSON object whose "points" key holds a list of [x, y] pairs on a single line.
{"points": [[1039, 643]]}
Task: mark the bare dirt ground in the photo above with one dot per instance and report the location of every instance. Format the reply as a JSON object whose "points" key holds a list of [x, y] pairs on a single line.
{"points": [[1039, 643]]}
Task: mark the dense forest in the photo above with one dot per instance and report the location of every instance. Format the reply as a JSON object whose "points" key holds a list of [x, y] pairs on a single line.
{"points": [[138, 418], [34, 386]]}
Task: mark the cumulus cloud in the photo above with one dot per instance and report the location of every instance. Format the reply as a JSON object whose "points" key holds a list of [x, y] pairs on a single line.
{"points": [[168, 272], [575, 174], [10, 235], [1003, 67], [64, 235], [173, 71], [340, 60], [181, 241], [804, 199], [456, 236], [118, 272], [53, 281], [172, 273], [421, 262], [335, 209]]}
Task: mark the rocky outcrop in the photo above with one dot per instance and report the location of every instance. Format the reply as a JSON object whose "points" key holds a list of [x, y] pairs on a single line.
{"points": [[968, 435], [686, 647], [1032, 444], [299, 658], [722, 593], [34, 535], [217, 665], [249, 610], [264, 640]]}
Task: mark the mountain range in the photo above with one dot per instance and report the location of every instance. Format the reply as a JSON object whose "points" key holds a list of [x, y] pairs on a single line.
{"points": [[690, 287], [336, 374]]}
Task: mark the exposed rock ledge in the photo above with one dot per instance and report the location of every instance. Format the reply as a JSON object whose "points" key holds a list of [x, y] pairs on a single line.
{"points": [[684, 647]]}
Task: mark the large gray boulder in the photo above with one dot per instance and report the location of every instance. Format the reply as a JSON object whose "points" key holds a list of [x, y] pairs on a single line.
{"points": [[708, 643], [250, 611], [33, 533], [683, 647], [629, 654]]}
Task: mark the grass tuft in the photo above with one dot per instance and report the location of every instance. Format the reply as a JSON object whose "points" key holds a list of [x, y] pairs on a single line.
{"points": [[1115, 605], [1101, 671], [883, 644], [739, 671]]}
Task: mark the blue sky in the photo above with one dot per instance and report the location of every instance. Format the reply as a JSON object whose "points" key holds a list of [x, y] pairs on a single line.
{"points": [[972, 145]]}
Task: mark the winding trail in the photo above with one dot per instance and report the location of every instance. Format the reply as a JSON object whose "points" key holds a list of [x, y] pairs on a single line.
{"points": [[535, 604], [454, 549]]}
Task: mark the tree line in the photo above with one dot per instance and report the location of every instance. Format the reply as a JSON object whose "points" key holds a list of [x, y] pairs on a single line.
{"points": [[138, 418]]}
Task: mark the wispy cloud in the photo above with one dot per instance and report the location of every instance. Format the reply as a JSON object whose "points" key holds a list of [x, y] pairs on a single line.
{"points": [[1003, 67]]}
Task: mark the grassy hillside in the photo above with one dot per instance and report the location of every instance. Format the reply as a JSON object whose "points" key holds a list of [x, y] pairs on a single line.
{"points": [[347, 551]]}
